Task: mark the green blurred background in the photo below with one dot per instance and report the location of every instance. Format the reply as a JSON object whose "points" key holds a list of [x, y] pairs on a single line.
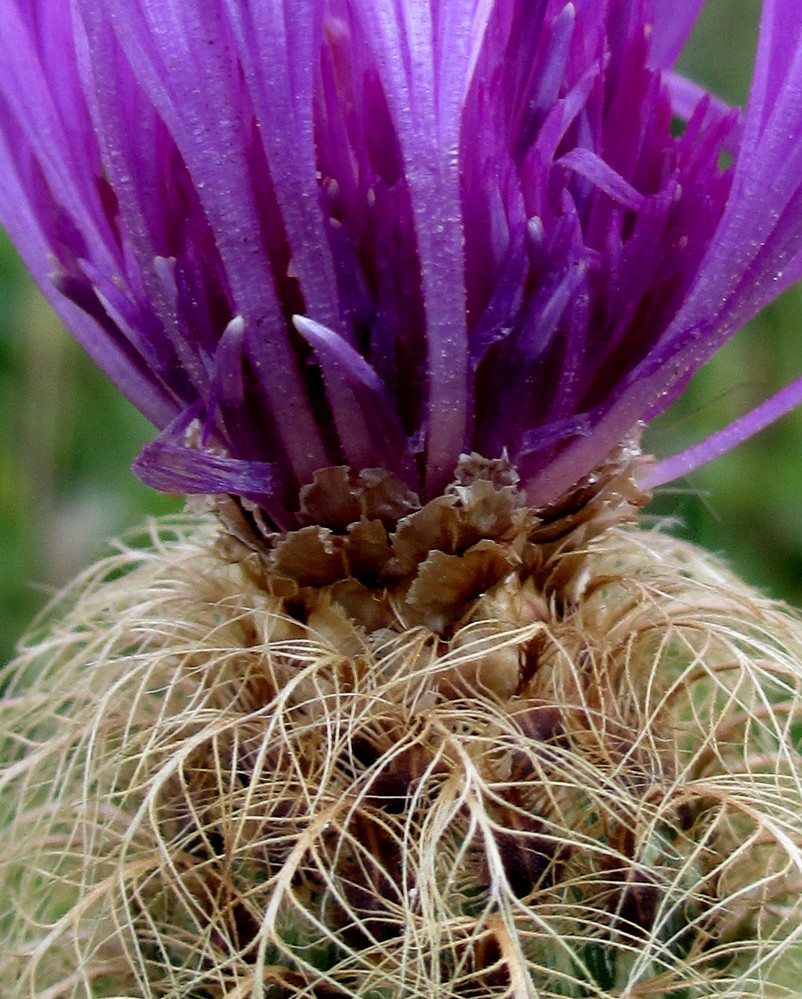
{"points": [[67, 439]]}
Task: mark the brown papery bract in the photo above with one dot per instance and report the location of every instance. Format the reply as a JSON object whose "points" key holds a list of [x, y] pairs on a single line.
{"points": [[583, 781]]}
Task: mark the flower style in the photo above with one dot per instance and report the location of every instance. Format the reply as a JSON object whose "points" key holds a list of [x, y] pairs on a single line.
{"points": [[382, 233]]}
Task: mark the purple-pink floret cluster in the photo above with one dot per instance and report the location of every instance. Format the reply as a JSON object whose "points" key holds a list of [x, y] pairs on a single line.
{"points": [[381, 233]]}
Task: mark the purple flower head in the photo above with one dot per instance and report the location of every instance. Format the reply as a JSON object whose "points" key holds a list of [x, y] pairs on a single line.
{"points": [[381, 233]]}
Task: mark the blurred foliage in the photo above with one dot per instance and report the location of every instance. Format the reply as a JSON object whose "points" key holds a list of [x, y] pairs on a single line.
{"points": [[748, 503], [67, 438]]}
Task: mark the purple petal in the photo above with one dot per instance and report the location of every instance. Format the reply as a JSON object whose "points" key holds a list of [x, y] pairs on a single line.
{"points": [[368, 428], [756, 252], [184, 58], [672, 25], [729, 437], [279, 69], [759, 236], [482, 211], [593, 168], [686, 98], [176, 468], [439, 43]]}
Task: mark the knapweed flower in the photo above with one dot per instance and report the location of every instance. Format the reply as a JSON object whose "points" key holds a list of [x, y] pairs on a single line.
{"points": [[385, 234], [398, 281]]}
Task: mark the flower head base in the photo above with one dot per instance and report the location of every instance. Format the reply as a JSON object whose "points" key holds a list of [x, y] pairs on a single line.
{"points": [[585, 786], [333, 232]]}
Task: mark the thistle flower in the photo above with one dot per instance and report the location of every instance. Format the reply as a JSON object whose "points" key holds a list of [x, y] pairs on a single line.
{"points": [[398, 282], [383, 235]]}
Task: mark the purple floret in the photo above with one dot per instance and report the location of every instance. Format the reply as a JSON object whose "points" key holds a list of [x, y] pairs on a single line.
{"points": [[382, 233]]}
